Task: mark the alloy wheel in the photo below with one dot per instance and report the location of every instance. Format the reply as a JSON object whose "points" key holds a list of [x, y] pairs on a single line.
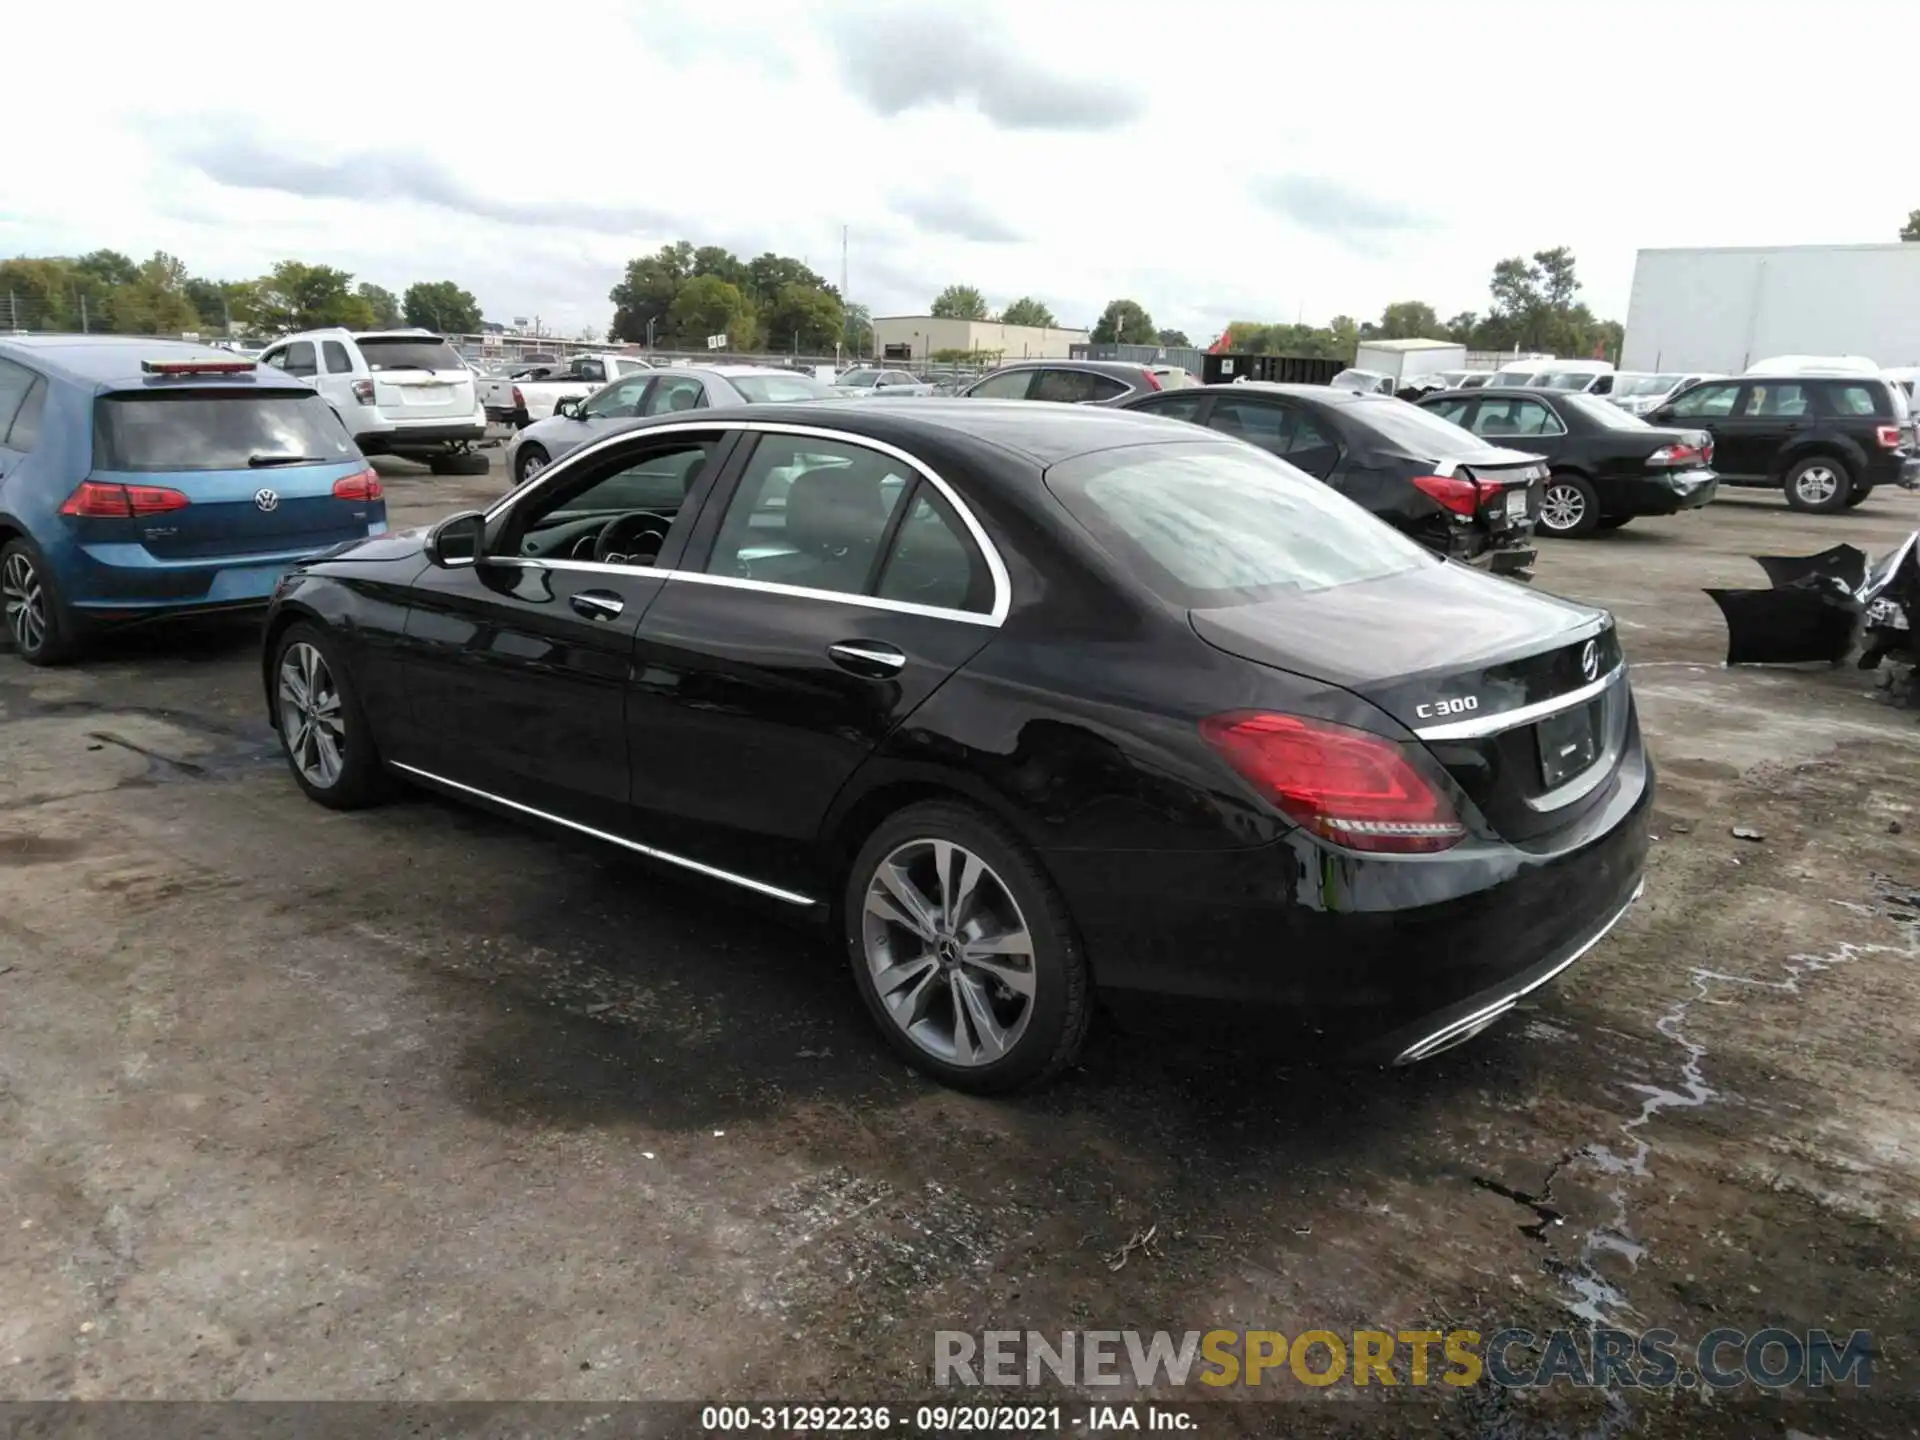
{"points": [[1817, 484], [312, 716], [25, 602], [949, 953], [531, 466], [1562, 507]]}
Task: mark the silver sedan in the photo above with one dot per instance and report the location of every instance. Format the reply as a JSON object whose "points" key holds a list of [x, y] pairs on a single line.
{"points": [[654, 392]]}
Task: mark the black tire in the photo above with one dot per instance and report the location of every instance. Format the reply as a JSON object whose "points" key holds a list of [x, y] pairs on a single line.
{"points": [[461, 462], [1614, 522], [1819, 484], [520, 461], [1858, 495], [1569, 499], [34, 618], [362, 778], [1049, 1027]]}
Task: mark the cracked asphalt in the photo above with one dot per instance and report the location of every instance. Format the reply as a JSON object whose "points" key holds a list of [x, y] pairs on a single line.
{"points": [[418, 1105]]}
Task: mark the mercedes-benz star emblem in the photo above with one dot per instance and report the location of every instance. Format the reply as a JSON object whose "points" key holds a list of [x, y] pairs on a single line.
{"points": [[1590, 660], [269, 500]]}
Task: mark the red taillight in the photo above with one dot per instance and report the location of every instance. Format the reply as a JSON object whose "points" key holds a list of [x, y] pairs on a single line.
{"points": [[1153, 380], [1460, 496], [95, 500], [1344, 785], [519, 400], [364, 486], [363, 392], [1889, 436], [1674, 455]]}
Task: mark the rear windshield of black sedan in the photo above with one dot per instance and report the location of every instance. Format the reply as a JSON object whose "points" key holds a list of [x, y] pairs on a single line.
{"points": [[1413, 430], [207, 429], [1210, 525]]}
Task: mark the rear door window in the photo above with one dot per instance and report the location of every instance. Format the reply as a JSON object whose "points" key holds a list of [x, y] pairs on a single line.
{"points": [[15, 381], [408, 352], [1504, 417], [1205, 525], [1179, 406], [207, 429], [1853, 400], [673, 393], [25, 433], [1074, 387], [1775, 399], [1454, 410], [1260, 421], [335, 354]]}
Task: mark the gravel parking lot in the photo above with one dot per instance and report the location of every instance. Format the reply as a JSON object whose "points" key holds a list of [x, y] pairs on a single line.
{"points": [[415, 1104]]}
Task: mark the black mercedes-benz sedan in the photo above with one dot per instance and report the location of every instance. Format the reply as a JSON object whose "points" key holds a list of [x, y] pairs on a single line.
{"points": [[1457, 494], [1024, 701], [1608, 467]]}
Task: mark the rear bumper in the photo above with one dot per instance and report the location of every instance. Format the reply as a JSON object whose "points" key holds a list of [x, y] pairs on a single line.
{"points": [[1662, 494], [104, 583], [394, 439], [1382, 953]]}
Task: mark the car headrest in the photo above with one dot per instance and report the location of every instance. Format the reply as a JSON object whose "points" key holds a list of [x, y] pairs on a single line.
{"points": [[831, 507]]}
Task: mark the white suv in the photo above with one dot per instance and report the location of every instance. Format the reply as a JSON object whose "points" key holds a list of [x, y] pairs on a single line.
{"points": [[399, 392]]}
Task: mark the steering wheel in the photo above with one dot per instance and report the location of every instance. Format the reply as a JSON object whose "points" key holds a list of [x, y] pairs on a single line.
{"points": [[631, 539]]}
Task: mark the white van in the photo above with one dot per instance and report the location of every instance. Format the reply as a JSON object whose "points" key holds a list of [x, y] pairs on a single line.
{"points": [[1815, 365], [1532, 372]]}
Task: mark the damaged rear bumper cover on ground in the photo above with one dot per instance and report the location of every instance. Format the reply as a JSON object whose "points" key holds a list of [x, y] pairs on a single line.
{"points": [[1817, 607]]}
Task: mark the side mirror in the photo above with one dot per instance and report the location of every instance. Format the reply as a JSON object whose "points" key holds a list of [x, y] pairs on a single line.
{"points": [[1663, 414], [455, 542], [570, 407]]}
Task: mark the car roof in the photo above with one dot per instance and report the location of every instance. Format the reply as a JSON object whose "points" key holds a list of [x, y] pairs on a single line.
{"points": [[729, 370], [1133, 368], [114, 360], [1039, 431], [1326, 394]]}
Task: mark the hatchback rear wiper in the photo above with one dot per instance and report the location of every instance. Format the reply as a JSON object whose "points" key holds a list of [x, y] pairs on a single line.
{"points": [[260, 461]]}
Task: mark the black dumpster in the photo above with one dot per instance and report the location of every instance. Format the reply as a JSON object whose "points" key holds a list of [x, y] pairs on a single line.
{"points": [[1286, 369]]}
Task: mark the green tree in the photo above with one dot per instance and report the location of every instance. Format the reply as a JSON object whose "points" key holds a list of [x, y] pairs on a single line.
{"points": [[1409, 320], [804, 317], [643, 299], [1124, 322], [1029, 311], [959, 302], [383, 303], [44, 294], [109, 267], [1911, 230], [857, 330], [769, 274], [1173, 337], [1460, 328], [708, 305], [298, 296], [718, 261], [155, 301], [441, 305]]}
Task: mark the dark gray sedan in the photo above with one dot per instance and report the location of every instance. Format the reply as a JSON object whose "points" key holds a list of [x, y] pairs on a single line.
{"points": [[654, 392]]}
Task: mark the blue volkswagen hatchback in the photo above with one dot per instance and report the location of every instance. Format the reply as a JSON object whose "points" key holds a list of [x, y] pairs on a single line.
{"points": [[150, 478]]}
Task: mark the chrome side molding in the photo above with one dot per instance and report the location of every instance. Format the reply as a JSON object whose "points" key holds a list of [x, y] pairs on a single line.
{"points": [[759, 887]]}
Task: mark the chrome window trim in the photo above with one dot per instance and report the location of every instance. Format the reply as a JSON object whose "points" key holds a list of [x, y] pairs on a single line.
{"points": [[1481, 726], [791, 897], [996, 567]]}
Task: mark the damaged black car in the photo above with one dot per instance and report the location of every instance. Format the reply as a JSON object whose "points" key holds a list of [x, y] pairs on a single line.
{"points": [[1820, 607]]}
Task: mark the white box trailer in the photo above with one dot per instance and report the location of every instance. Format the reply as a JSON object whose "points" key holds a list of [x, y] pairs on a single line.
{"points": [[1721, 310], [1408, 360]]}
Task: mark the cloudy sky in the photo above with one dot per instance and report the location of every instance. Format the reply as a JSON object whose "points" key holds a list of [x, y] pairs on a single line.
{"points": [[1268, 161]]}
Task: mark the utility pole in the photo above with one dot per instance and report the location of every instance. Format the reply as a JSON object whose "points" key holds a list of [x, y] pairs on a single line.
{"points": [[83, 313], [844, 300]]}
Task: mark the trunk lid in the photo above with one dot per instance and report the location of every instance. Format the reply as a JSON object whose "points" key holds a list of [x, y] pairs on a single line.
{"points": [[1517, 694], [417, 377], [220, 472]]}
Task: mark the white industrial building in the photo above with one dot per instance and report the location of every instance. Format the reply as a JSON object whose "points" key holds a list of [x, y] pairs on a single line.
{"points": [[916, 339], [1721, 310]]}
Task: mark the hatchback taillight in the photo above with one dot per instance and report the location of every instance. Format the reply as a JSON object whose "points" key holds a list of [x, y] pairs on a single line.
{"points": [[364, 486], [1460, 496], [1889, 436], [363, 392], [519, 400], [97, 500], [1153, 380], [1344, 785]]}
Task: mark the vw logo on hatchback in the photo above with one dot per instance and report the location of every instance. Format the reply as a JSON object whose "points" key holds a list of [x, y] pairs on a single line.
{"points": [[270, 500], [1590, 660]]}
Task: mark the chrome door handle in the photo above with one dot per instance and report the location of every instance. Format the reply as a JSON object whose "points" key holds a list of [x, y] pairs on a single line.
{"points": [[867, 658], [598, 604]]}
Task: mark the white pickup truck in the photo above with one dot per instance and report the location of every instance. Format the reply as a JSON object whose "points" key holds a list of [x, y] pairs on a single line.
{"points": [[532, 392]]}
